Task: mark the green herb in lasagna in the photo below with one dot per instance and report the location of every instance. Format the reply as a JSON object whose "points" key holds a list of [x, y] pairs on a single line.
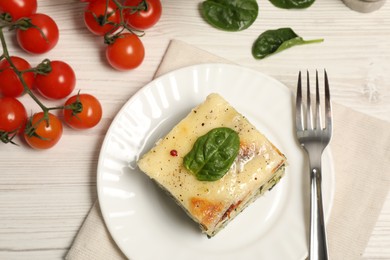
{"points": [[213, 154]]}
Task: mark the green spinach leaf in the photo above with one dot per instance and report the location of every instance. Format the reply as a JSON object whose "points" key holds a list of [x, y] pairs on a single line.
{"points": [[274, 41], [230, 15], [289, 4], [213, 154]]}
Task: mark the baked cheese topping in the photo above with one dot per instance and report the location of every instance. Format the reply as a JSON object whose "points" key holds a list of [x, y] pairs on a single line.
{"points": [[210, 202]]}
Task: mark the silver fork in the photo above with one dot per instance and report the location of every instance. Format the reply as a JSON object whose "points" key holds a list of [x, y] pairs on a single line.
{"points": [[314, 138]]}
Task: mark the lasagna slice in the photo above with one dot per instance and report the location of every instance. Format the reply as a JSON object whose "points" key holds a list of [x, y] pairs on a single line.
{"points": [[258, 165]]}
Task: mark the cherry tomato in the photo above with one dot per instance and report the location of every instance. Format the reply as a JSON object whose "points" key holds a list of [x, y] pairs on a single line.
{"points": [[126, 52], [10, 83], [37, 41], [13, 115], [18, 8], [94, 16], [47, 133], [58, 83], [90, 114], [144, 19]]}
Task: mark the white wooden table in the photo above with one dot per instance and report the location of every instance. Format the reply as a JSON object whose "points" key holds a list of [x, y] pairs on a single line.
{"points": [[45, 195]]}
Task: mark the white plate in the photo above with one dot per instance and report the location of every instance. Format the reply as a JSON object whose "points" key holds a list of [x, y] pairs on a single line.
{"points": [[147, 224]]}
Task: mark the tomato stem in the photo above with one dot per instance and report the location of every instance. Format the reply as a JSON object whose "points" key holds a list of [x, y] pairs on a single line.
{"points": [[42, 68], [6, 137], [3, 44], [20, 73], [76, 106], [142, 6], [106, 15], [114, 33], [6, 19], [31, 128]]}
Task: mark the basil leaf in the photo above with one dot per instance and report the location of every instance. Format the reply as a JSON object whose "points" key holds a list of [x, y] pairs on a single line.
{"points": [[230, 15], [274, 41], [213, 154], [289, 4]]}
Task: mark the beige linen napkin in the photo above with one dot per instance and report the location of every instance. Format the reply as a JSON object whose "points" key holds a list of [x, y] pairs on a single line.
{"points": [[361, 153]]}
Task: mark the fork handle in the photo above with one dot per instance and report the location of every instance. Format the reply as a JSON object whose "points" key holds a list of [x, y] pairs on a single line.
{"points": [[318, 245]]}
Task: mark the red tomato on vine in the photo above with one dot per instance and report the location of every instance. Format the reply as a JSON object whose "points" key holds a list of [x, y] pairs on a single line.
{"points": [[13, 115], [18, 8], [126, 52], [88, 114], [99, 18], [143, 19], [58, 83], [40, 38], [41, 133], [10, 83]]}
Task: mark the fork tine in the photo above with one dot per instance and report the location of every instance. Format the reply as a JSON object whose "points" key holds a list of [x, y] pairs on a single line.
{"points": [[317, 115], [328, 107], [298, 104], [309, 114]]}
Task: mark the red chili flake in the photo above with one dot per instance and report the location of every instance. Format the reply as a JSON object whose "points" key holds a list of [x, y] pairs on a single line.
{"points": [[173, 152]]}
